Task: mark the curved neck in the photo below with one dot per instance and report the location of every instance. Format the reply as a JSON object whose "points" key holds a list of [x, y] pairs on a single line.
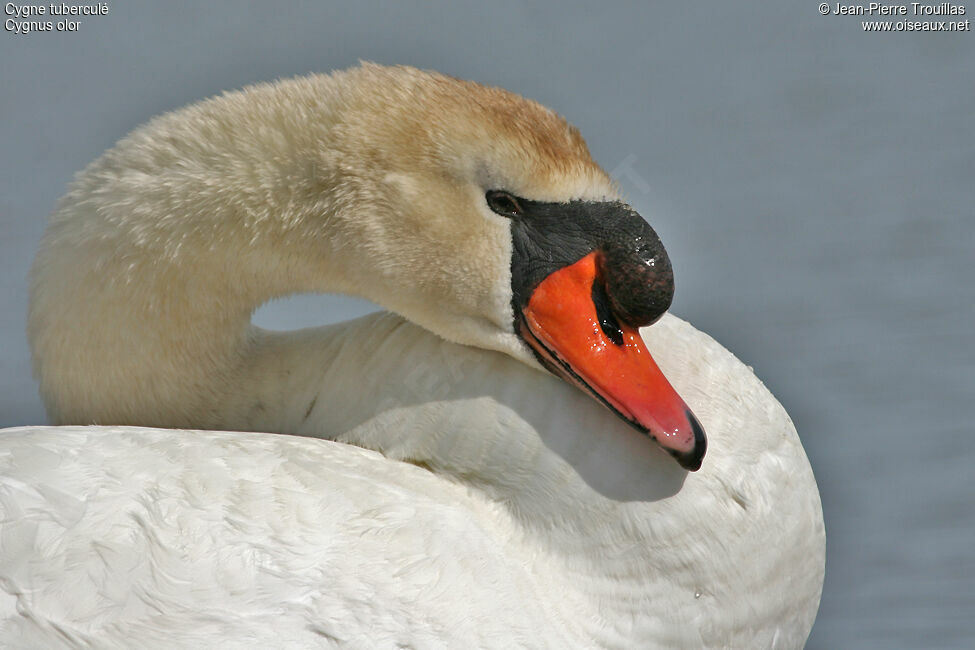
{"points": [[153, 263], [120, 336]]}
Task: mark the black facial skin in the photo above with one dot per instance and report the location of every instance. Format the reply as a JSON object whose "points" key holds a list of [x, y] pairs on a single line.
{"points": [[634, 270]]}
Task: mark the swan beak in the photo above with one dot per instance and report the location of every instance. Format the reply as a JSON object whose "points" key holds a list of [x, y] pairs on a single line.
{"points": [[570, 324]]}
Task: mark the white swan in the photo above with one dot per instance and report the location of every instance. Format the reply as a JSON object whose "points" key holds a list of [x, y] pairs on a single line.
{"points": [[528, 515]]}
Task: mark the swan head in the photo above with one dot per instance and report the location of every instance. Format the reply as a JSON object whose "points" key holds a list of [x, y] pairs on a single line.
{"points": [[506, 235]]}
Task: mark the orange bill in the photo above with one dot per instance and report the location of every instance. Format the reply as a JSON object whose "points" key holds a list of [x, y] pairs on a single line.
{"points": [[572, 329]]}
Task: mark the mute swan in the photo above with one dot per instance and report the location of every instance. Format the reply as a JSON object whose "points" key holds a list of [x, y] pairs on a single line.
{"points": [[526, 515]]}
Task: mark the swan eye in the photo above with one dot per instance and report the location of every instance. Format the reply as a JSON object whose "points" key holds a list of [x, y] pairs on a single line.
{"points": [[503, 203]]}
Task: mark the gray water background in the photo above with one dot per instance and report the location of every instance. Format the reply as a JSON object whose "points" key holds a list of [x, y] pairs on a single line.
{"points": [[813, 183]]}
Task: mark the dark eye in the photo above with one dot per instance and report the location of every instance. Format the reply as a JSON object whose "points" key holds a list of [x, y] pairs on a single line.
{"points": [[503, 203]]}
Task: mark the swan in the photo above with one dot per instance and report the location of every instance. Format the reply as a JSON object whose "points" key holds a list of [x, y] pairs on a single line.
{"points": [[449, 483]]}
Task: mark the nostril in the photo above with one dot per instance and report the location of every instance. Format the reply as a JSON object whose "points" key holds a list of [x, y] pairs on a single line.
{"points": [[604, 313]]}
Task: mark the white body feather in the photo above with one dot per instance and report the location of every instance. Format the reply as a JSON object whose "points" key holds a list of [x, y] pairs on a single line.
{"points": [[117, 536]]}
